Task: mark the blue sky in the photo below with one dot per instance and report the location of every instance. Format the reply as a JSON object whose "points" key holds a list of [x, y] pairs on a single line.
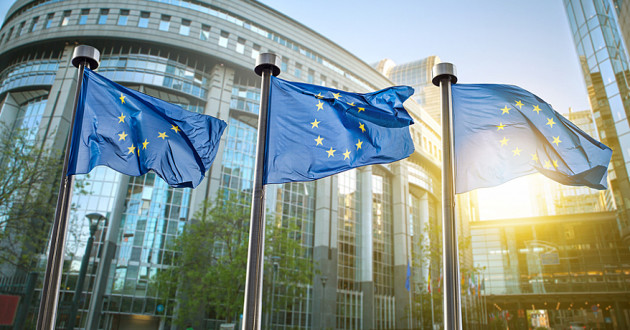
{"points": [[525, 43]]}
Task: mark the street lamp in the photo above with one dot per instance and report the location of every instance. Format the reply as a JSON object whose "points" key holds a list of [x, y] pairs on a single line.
{"points": [[95, 219]]}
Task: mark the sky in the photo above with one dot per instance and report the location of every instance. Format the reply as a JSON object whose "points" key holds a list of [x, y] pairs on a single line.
{"points": [[524, 43]]}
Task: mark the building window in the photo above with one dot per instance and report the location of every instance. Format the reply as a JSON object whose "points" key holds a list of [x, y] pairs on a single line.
{"points": [[223, 39], [49, 20], [84, 16], [184, 29], [322, 80], [102, 19], [123, 17], [66, 18], [165, 23], [205, 32], [298, 70], [255, 51], [240, 46], [20, 29], [284, 64], [310, 78], [144, 19], [9, 34]]}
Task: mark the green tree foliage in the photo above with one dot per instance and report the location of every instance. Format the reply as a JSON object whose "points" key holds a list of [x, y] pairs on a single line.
{"points": [[208, 278], [28, 194]]}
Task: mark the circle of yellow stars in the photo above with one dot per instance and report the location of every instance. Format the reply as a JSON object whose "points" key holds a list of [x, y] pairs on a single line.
{"points": [[319, 141], [135, 149], [516, 151]]}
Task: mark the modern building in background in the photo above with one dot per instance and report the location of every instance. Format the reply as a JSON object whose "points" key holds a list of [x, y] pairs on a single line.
{"points": [[359, 227], [601, 48], [417, 74], [564, 269]]}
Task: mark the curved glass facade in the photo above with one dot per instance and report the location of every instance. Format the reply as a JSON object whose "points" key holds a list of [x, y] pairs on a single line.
{"points": [[602, 54], [199, 55]]}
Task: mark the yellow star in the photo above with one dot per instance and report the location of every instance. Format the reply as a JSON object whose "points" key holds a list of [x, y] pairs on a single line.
{"points": [[519, 104], [361, 109], [175, 128], [504, 141], [500, 127], [359, 144], [144, 144], [537, 109], [132, 149], [517, 151], [505, 110], [555, 163], [320, 105], [350, 104], [346, 154], [122, 136], [319, 140], [550, 122], [319, 95], [162, 135], [336, 96], [315, 123], [547, 164], [556, 140], [534, 157], [331, 152], [122, 99], [122, 117], [362, 127]]}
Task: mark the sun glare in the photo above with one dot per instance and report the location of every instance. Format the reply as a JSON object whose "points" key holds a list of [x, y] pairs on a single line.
{"points": [[512, 199]]}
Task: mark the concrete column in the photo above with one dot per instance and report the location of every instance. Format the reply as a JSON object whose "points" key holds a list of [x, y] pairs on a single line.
{"points": [[58, 113], [8, 110], [365, 248], [217, 105], [109, 252], [401, 244], [325, 254]]}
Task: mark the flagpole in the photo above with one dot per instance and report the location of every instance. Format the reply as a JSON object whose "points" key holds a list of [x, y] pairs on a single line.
{"points": [[443, 76], [267, 64], [83, 56]]}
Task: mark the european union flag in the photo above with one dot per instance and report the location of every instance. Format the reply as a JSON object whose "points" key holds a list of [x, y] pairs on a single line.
{"points": [[133, 133], [315, 131], [502, 132]]}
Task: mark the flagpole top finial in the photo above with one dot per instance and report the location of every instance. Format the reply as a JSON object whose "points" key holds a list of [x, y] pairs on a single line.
{"points": [[444, 70], [266, 61], [85, 53]]}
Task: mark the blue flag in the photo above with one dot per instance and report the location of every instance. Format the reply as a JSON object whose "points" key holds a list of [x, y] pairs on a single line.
{"points": [[502, 132], [315, 131], [133, 133]]}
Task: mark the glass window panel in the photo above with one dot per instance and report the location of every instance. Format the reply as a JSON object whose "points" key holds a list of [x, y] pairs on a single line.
{"points": [[165, 22], [102, 18], [123, 17], [143, 22]]}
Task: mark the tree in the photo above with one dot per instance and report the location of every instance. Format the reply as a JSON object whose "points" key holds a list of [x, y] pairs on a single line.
{"points": [[208, 278], [28, 174]]}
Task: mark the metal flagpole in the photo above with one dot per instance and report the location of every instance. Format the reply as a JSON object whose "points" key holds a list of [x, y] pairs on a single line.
{"points": [[83, 56], [443, 76], [266, 65]]}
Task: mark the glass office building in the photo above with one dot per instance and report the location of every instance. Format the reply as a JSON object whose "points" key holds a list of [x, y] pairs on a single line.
{"points": [[358, 228], [604, 60], [566, 269]]}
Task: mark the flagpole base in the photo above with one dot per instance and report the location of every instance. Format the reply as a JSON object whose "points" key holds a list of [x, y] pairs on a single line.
{"points": [[83, 54]]}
